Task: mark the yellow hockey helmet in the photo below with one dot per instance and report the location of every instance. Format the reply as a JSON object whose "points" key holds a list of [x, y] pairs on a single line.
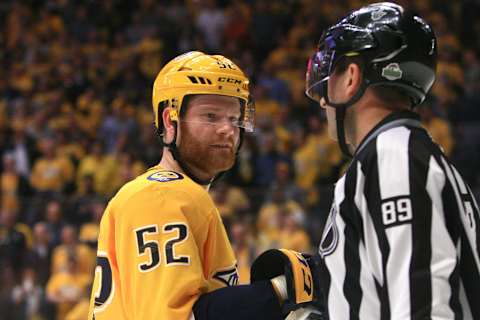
{"points": [[199, 73]]}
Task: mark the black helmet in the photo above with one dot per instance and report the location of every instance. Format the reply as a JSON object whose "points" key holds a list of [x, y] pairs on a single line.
{"points": [[399, 49]]}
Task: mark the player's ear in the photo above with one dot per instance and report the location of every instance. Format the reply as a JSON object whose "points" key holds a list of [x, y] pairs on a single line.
{"points": [[168, 126], [353, 79]]}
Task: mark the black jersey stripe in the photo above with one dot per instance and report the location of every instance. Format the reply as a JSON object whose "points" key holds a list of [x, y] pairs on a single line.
{"points": [[420, 281], [353, 224]]}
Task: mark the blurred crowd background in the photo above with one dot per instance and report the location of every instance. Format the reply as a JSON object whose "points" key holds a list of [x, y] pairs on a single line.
{"points": [[76, 124]]}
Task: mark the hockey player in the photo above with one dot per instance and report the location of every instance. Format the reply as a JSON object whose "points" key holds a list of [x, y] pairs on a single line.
{"points": [[163, 252]]}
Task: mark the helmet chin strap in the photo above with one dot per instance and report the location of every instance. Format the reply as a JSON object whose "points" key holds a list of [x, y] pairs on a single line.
{"points": [[340, 111]]}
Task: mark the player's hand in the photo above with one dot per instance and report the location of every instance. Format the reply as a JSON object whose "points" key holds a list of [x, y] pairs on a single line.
{"points": [[294, 277]]}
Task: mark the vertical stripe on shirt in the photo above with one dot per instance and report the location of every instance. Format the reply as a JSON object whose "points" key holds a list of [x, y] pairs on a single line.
{"points": [[393, 167], [443, 261], [373, 204], [369, 251], [353, 238], [421, 279]]}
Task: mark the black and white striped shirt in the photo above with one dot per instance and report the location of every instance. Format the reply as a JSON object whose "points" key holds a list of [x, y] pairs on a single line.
{"points": [[401, 240]]}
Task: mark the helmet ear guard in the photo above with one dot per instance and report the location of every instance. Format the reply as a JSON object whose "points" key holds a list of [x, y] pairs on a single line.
{"points": [[173, 114]]}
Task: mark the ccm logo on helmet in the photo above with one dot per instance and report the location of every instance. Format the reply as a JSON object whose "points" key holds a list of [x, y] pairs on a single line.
{"points": [[229, 80]]}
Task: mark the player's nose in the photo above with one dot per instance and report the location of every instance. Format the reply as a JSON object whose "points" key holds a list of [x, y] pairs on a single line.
{"points": [[226, 128]]}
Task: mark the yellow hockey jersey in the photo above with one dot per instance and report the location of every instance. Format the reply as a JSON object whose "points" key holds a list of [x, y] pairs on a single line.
{"points": [[162, 243]]}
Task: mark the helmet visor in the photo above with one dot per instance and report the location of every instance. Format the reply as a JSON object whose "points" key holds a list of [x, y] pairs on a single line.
{"points": [[318, 72], [247, 120], [213, 116], [338, 41]]}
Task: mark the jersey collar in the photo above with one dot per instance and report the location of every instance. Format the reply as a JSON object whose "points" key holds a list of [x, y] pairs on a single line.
{"points": [[393, 120]]}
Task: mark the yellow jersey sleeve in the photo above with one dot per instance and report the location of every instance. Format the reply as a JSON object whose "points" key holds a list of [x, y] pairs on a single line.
{"points": [[161, 245]]}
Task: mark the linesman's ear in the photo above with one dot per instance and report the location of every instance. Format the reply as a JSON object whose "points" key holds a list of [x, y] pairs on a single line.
{"points": [[353, 79]]}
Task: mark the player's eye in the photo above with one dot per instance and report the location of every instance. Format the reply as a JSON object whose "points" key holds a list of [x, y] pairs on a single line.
{"points": [[210, 117], [234, 120]]}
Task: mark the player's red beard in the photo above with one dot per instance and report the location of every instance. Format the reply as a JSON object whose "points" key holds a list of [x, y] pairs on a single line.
{"points": [[200, 154]]}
